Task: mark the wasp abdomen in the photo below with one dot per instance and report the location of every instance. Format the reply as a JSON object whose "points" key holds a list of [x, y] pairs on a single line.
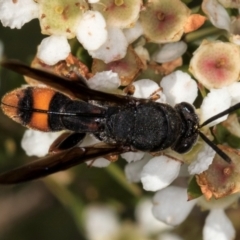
{"points": [[46, 110], [28, 106]]}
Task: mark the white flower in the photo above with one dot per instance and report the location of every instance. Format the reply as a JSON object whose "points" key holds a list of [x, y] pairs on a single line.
{"points": [[144, 88], [15, 14], [90, 140], [169, 52], [132, 156], [159, 172], [217, 14], [133, 33], [170, 205], [133, 169], [100, 222], [143, 53], [98, 162], [219, 17], [106, 81], [147, 222], [53, 49], [36, 143], [218, 226], [203, 160], [179, 87], [91, 30], [175, 210], [234, 90], [215, 102], [114, 48]]}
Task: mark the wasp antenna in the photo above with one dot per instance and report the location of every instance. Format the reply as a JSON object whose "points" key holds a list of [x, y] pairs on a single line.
{"points": [[227, 111], [224, 156]]}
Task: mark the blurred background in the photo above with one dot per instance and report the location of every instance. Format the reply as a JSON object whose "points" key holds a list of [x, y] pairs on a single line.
{"points": [[55, 208]]}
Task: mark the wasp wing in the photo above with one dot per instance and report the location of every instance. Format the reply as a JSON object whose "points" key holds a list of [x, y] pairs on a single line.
{"points": [[76, 89], [57, 162]]}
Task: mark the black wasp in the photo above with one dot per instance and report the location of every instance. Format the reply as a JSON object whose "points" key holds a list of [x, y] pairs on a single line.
{"points": [[122, 123]]}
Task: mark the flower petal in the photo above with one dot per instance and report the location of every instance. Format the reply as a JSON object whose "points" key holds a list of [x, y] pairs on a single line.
{"points": [[133, 33], [15, 14], [217, 14], [53, 49], [110, 51], [40, 140], [101, 222], [132, 156], [99, 162], [218, 226], [234, 90], [159, 172], [215, 102], [171, 206], [91, 30], [176, 83], [147, 222], [203, 160], [144, 88], [170, 51], [133, 170], [107, 81]]}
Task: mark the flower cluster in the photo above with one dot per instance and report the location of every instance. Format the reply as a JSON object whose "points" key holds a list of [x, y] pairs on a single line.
{"points": [[142, 49]]}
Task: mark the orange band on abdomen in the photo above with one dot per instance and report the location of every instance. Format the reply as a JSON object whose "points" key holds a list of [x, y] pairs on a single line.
{"points": [[41, 100]]}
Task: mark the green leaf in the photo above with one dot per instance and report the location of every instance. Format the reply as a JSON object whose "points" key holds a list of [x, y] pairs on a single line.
{"points": [[194, 191]]}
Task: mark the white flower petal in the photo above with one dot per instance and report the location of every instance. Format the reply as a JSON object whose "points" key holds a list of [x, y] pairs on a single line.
{"points": [[171, 206], [234, 90], [133, 170], [143, 53], [91, 30], [179, 87], [218, 226], [147, 222], [36, 143], [159, 172], [101, 223], [107, 81], [132, 156], [53, 49], [99, 162], [169, 52], [15, 14], [217, 14], [114, 48], [144, 88], [203, 160], [90, 140], [215, 102], [133, 33]]}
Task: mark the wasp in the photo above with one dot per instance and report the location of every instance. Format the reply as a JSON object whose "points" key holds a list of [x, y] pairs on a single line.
{"points": [[123, 123]]}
